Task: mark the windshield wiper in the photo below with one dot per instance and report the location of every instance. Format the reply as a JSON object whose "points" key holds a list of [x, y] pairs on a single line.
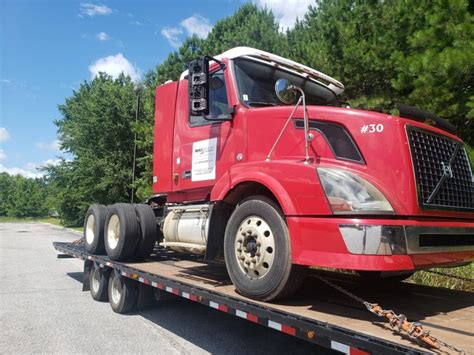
{"points": [[261, 103]]}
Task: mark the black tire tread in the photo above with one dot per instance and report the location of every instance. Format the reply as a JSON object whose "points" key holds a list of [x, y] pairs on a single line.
{"points": [[128, 298], [102, 295], [129, 231], [148, 231], [291, 275]]}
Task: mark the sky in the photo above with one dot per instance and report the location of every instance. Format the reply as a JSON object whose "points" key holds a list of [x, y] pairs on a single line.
{"points": [[49, 47]]}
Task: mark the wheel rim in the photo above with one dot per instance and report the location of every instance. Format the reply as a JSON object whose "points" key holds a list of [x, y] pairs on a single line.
{"points": [[95, 280], [254, 247], [113, 231], [90, 228], [116, 290]]}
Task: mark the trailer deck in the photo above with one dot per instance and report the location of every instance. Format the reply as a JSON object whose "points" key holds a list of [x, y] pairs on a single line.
{"points": [[318, 313]]}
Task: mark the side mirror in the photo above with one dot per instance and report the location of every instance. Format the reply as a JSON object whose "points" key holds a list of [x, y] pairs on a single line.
{"points": [[285, 91], [198, 87]]}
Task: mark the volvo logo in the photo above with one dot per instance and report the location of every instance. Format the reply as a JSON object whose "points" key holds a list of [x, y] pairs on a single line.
{"points": [[447, 170]]}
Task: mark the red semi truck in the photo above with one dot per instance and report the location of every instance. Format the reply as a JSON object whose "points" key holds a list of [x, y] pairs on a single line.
{"points": [[259, 164]]}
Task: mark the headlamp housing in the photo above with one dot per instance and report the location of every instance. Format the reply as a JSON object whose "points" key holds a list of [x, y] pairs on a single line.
{"points": [[348, 193]]}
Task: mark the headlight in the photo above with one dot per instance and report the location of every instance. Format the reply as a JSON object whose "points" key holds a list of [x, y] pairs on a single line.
{"points": [[348, 193]]}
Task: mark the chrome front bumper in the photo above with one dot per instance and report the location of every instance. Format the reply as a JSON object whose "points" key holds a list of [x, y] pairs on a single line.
{"points": [[403, 240]]}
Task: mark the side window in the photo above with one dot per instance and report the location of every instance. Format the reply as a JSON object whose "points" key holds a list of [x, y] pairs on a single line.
{"points": [[218, 103]]}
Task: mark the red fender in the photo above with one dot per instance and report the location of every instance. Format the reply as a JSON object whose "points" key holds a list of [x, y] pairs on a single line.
{"points": [[295, 185]]}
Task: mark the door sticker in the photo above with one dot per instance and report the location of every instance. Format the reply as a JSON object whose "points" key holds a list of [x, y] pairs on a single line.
{"points": [[204, 160]]}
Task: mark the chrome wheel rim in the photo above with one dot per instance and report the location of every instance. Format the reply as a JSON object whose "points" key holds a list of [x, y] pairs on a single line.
{"points": [[116, 290], [113, 231], [90, 228], [254, 247]]}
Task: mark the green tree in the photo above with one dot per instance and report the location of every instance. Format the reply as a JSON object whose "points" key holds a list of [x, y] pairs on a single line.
{"points": [[436, 69], [97, 130], [23, 197]]}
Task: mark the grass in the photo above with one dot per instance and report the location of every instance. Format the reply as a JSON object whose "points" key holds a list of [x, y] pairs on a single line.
{"points": [[429, 279], [50, 220]]}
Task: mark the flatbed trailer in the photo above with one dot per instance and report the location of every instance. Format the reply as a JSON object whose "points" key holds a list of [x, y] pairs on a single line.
{"points": [[318, 313]]}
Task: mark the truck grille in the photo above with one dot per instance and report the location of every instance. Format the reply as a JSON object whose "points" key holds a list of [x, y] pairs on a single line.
{"points": [[443, 174]]}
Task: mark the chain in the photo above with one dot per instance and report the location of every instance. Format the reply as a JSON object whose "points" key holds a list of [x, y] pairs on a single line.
{"points": [[398, 322], [342, 290], [450, 275]]}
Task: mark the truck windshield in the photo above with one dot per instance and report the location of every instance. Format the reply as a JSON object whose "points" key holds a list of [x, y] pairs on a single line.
{"points": [[256, 85]]}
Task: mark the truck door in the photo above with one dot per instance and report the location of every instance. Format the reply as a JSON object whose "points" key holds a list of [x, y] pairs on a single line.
{"points": [[204, 149]]}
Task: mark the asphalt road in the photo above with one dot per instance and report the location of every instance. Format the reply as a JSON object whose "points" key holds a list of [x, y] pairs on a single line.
{"points": [[42, 309]]}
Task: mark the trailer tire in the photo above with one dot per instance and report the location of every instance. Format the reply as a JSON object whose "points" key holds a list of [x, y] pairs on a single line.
{"points": [[122, 293], [99, 284], [259, 262], [121, 231], [94, 229], [148, 231]]}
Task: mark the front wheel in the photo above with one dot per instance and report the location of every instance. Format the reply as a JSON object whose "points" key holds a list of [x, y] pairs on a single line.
{"points": [[258, 252]]}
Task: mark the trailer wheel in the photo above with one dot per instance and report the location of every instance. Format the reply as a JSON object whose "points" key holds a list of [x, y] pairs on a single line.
{"points": [[258, 252], [122, 293], [148, 231], [99, 283], [121, 231], [94, 229]]}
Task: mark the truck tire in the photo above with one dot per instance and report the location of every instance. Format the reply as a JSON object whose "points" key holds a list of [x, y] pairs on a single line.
{"points": [[121, 232], [122, 293], [94, 229], [99, 284], [257, 251], [148, 231]]}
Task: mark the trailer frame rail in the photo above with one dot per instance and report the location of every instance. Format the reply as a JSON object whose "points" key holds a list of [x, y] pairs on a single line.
{"points": [[321, 333]]}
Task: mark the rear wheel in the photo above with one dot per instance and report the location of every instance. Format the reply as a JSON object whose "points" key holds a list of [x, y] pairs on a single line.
{"points": [[121, 231], [99, 283], [94, 229], [258, 253], [122, 293], [148, 231]]}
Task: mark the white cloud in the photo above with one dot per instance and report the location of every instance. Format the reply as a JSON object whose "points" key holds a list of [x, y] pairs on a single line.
{"points": [[286, 11], [51, 146], [172, 34], [20, 171], [49, 162], [3, 156], [92, 10], [198, 25], [114, 65], [102, 36], [4, 135], [30, 169]]}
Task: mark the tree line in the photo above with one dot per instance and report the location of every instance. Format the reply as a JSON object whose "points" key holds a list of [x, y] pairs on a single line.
{"points": [[415, 52]]}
